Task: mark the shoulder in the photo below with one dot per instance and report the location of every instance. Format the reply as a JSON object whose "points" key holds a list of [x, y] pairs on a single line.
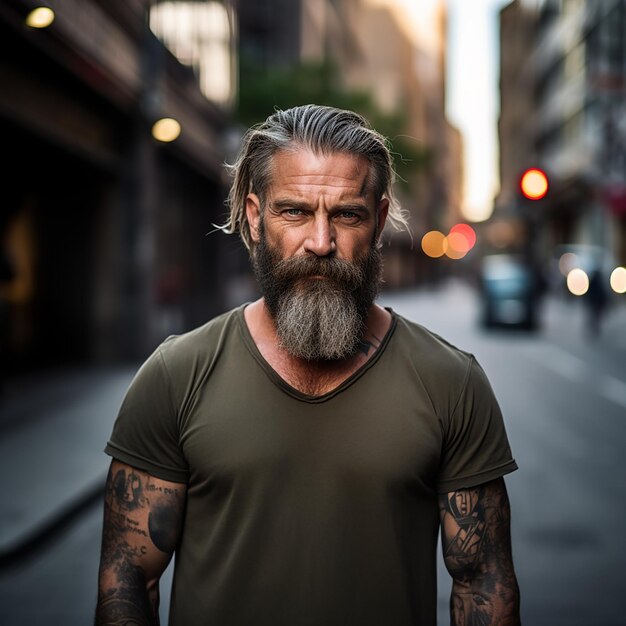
{"points": [[440, 369], [180, 364], [201, 342], [433, 355]]}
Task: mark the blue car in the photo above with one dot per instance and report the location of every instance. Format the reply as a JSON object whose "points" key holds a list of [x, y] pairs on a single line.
{"points": [[510, 291]]}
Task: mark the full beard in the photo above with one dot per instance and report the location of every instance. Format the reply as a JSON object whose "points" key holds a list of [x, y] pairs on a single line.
{"points": [[318, 318]]}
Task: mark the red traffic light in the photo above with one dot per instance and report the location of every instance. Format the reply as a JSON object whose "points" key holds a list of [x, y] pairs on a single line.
{"points": [[534, 184]]}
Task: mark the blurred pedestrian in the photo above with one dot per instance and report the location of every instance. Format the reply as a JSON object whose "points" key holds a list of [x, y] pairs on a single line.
{"points": [[300, 453], [596, 300]]}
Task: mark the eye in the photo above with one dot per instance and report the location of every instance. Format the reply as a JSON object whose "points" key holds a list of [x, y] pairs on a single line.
{"points": [[292, 212], [349, 216]]}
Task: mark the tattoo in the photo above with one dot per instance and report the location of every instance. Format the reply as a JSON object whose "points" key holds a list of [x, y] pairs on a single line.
{"points": [[367, 345], [162, 523], [126, 601], [465, 522], [164, 518], [139, 515], [477, 551], [127, 604], [128, 490], [123, 496]]}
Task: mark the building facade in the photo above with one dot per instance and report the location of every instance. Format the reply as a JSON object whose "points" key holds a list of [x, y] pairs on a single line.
{"points": [[104, 246], [563, 109], [400, 64]]}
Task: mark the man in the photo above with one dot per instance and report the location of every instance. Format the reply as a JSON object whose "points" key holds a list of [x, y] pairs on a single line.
{"points": [[299, 453]]}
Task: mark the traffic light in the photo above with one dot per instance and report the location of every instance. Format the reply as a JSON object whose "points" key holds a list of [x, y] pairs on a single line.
{"points": [[534, 184]]}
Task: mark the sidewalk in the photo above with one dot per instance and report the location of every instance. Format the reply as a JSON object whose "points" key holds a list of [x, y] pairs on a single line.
{"points": [[53, 429]]}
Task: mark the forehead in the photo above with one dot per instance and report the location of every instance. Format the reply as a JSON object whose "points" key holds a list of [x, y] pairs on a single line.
{"points": [[303, 171]]}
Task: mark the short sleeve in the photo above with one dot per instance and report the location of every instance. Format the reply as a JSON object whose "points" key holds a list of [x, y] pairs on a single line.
{"points": [[476, 448], [145, 433]]}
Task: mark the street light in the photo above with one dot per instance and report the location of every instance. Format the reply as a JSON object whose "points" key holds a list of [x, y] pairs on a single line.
{"points": [[534, 184], [166, 129], [40, 17]]}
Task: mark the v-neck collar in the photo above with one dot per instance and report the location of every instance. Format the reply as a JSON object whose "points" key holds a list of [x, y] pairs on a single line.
{"points": [[280, 382]]}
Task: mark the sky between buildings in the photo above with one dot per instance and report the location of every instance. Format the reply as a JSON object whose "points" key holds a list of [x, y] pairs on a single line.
{"points": [[472, 88], [473, 100]]}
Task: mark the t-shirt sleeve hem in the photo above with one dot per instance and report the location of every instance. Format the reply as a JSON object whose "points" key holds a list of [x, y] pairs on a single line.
{"points": [[484, 476], [147, 465]]}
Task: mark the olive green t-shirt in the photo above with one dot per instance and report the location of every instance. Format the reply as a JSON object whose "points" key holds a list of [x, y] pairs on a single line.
{"points": [[301, 510]]}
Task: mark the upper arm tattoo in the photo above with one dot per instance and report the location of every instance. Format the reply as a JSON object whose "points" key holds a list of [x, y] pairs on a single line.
{"points": [[463, 524], [142, 521], [476, 543]]}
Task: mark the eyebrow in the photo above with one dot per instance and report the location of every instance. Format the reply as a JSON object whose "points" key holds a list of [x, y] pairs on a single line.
{"points": [[284, 203]]}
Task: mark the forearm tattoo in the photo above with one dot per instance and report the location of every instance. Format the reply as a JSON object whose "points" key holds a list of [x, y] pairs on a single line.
{"points": [[477, 551], [139, 516]]}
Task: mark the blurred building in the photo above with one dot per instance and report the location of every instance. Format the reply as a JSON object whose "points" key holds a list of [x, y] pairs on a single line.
{"points": [[270, 32], [517, 98], [403, 65], [378, 50], [563, 109], [104, 228]]}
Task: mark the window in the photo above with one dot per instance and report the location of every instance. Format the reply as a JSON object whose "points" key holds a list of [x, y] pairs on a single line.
{"points": [[199, 35]]}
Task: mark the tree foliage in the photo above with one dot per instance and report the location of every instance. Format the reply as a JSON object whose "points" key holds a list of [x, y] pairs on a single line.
{"points": [[262, 90]]}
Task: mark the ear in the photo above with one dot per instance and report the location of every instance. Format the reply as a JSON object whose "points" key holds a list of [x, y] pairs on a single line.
{"points": [[253, 213], [381, 215]]}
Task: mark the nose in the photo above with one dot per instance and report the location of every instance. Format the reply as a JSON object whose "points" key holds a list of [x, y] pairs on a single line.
{"points": [[321, 238]]}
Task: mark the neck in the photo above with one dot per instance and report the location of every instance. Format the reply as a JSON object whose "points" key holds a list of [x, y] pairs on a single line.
{"points": [[320, 376]]}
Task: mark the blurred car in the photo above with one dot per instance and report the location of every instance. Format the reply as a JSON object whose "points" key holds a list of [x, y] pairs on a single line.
{"points": [[510, 292]]}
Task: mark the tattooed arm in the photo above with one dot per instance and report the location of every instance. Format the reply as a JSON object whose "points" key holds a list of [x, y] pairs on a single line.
{"points": [[475, 531], [142, 522]]}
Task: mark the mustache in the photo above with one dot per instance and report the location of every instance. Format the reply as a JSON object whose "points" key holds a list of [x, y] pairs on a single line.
{"points": [[350, 273]]}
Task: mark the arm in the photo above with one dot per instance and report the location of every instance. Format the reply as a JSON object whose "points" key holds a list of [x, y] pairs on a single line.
{"points": [[142, 522], [475, 531]]}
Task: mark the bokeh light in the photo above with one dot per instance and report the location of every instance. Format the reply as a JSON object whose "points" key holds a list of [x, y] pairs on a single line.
{"points": [[467, 231], [534, 184], [434, 244], [166, 129], [567, 263], [457, 247], [618, 280], [459, 241], [41, 17], [578, 282]]}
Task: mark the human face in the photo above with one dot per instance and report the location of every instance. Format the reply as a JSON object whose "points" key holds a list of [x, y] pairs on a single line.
{"points": [[319, 284], [318, 205], [319, 304]]}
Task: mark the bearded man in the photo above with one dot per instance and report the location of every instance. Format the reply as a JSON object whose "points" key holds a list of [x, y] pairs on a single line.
{"points": [[300, 453]]}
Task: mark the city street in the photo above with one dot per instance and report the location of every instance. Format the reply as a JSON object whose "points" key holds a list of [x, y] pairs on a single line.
{"points": [[564, 401], [563, 395]]}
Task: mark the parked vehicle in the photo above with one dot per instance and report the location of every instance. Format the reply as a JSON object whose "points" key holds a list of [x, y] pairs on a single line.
{"points": [[510, 291]]}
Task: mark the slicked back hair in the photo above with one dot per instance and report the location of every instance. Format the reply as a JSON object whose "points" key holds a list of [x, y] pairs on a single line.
{"points": [[320, 129]]}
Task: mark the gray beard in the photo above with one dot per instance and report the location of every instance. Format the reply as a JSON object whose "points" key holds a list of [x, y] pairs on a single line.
{"points": [[319, 322], [318, 319]]}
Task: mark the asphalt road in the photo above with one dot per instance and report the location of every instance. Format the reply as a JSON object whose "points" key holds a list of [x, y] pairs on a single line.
{"points": [[563, 395], [564, 400]]}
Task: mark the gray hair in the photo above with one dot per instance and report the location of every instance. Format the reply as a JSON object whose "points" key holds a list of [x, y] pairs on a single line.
{"points": [[322, 130]]}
